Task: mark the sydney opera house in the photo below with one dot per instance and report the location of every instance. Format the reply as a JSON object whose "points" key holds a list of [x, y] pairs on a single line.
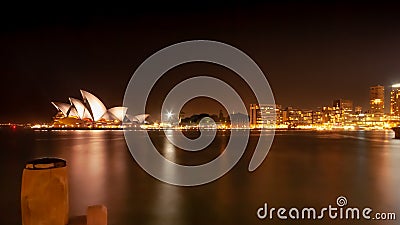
{"points": [[92, 113]]}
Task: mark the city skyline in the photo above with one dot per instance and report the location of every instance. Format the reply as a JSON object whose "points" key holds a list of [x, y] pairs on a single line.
{"points": [[342, 114], [377, 102], [91, 113], [311, 53]]}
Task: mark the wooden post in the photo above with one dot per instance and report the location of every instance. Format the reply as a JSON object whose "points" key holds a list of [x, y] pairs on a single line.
{"points": [[96, 215], [44, 192]]}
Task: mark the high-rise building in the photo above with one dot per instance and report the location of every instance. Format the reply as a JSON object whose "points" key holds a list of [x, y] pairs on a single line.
{"points": [[254, 113], [377, 100], [297, 117], [343, 104], [345, 109], [262, 115], [395, 100]]}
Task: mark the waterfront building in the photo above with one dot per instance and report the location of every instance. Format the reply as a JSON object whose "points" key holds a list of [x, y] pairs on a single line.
{"points": [[395, 100], [279, 115], [317, 117], [345, 108], [377, 100], [330, 115], [343, 104], [92, 112], [263, 115], [293, 117]]}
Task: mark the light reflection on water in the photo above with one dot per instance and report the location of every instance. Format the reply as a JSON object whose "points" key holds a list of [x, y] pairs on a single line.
{"points": [[167, 202], [302, 169]]}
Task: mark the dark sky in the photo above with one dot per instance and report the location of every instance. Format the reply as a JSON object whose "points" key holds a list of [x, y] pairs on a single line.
{"points": [[310, 52]]}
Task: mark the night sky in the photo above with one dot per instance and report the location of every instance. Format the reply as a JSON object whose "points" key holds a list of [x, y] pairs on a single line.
{"points": [[311, 53]]}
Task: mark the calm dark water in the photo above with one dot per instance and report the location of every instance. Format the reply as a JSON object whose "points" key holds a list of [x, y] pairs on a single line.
{"points": [[303, 169]]}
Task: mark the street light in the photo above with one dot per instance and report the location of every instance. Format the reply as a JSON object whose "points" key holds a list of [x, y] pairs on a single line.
{"points": [[169, 114]]}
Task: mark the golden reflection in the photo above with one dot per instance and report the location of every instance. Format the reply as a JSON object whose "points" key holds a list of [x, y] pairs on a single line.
{"points": [[386, 171], [88, 167], [167, 206]]}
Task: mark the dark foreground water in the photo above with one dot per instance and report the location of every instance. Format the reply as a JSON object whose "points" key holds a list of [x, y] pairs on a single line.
{"points": [[303, 169]]}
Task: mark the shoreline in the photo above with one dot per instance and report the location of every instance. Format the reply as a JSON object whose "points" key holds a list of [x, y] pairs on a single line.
{"points": [[196, 129], [20, 127]]}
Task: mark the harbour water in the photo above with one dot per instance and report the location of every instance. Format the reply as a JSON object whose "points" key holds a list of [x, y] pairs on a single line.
{"points": [[302, 169]]}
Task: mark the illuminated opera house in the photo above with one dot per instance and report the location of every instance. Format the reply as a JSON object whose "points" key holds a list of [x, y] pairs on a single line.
{"points": [[92, 113]]}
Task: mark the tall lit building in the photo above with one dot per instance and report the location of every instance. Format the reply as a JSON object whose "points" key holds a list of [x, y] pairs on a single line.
{"points": [[343, 104], [377, 100], [262, 115], [344, 109], [297, 117], [395, 100]]}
